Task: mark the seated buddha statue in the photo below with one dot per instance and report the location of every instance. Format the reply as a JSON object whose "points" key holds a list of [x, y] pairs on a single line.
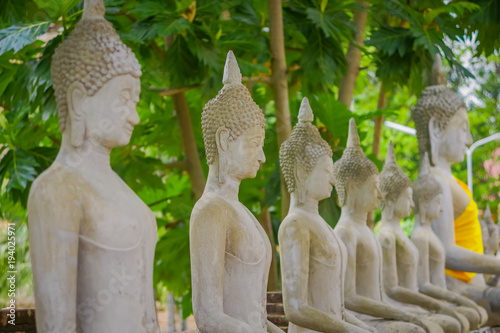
{"points": [[92, 240], [356, 182], [230, 251], [313, 259], [427, 196], [443, 133], [400, 255]]}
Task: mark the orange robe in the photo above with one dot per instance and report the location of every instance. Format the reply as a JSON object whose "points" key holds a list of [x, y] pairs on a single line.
{"points": [[467, 234]]}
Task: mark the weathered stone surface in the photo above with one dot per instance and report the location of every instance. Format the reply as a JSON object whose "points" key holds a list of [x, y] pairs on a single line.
{"points": [[230, 251], [92, 240]]}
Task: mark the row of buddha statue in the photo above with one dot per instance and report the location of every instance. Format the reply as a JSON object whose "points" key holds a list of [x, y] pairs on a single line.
{"points": [[92, 240]]}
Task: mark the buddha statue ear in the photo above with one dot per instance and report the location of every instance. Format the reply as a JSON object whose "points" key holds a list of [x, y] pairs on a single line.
{"points": [[435, 136], [388, 208], [300, 175], [222, 141], [75, 96]]}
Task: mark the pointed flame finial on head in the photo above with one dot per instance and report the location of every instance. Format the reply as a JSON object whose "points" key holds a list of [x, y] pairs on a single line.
{"points": [[437, 76], [232, 74], [425, 167], [487, 214], [305, 112], [93, 9], [390, 156], [353, 137]]}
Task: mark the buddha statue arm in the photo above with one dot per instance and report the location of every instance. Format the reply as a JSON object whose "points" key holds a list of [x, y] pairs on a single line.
{"points": [[459, 258], [294, 241], [425, 285], [366, 305], [423, 273], [208, 244], [402, 294], [54, 223]]}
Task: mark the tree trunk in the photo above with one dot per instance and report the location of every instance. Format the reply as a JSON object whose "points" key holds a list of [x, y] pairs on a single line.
{"points": [[191, 160], [353, 57], [191, 157], [379, 121], [279, 83], [265, 221]]}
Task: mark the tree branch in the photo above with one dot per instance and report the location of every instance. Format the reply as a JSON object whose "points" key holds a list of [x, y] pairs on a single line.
{"points": [[173, 91], [177, 164]]}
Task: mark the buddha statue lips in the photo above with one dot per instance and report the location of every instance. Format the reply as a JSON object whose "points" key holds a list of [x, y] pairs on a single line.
{"points": [[92, 239]]}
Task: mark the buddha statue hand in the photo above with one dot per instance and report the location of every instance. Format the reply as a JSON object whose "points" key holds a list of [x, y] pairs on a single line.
{"points": [[426, 325], [449, 311]]}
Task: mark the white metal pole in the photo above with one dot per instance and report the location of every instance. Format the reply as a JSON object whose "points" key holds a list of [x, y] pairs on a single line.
{"points": [[469, 156]]}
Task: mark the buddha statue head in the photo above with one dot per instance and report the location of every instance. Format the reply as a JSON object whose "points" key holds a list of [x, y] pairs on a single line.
{"points": [[306, 159], [96, 82], [396, 188], [441, 121], [427, 194], [233, 128], [355, 176]]}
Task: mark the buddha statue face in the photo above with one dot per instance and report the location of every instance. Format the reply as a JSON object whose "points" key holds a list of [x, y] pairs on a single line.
{"points": [[451, 141], [317, 184], [432, 208], [241, 157], [404, 204], [366, 194], [107, 117]]}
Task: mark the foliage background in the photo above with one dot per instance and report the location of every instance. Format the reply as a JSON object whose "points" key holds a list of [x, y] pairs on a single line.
{"points": [[181, 46]]}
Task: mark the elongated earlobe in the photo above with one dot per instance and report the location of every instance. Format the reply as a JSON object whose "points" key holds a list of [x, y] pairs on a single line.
{"points": [[222, 142], [300, 182], [76, 95], [389, 209]]}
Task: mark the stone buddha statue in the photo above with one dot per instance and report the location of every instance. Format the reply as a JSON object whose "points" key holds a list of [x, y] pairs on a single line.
{"points": [[443, 132], [427, 196], [400, 255], [356, 182], [313, 259], [92, 240], [230, 251], [491, 241]]}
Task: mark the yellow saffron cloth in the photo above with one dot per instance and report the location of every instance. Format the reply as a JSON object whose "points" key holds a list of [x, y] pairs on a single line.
{"points": [[467, 234]]}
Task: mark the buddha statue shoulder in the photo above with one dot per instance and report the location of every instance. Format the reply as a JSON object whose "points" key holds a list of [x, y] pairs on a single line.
{"points": [[400, 255], [313, 258], [92, 240], [356, 182], [230, 251], [443, 133], [427, 196]]}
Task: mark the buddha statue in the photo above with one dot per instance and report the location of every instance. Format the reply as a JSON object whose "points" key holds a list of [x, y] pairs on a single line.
{"points": [[491, 241], [443, 133], [313, 259], [356, 182], [400, 255], [230, 251], [92, 240], [427, 196]]}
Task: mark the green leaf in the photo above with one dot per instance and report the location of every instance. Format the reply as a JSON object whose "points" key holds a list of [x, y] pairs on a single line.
{"points": [[456, 8], [20, 166], [173, 26], [389, 40], [56, 8], [16, 37], [323, 22]]}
